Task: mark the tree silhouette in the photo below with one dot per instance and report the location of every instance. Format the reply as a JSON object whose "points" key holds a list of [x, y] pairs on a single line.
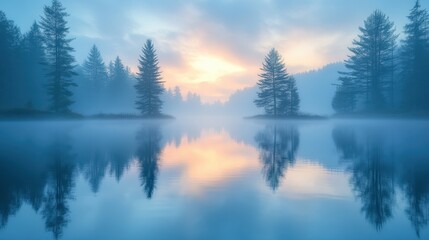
{"points": [[344, 100], [9, 62], [34, 75], [149, 82], [95, 68], [277, 150], [119, 92], [96, 76], [277, 94], [370, 65], [58, 57], [415, 60]]}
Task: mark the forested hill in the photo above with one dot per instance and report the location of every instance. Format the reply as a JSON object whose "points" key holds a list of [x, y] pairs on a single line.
{"points": [[316, 89]]}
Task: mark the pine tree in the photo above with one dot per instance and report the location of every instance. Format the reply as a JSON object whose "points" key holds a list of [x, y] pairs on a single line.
{"points": [[95, 68], [344, 100], [277, 94], [294, 97], [370, 65], [95, 81], [119, 88], [118, 76], [415, 60], [149, 82], [34, 60], [10, 37], [60, 62]]}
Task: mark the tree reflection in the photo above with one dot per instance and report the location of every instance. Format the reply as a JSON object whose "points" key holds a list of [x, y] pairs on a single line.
{"points": [[372, 176], [277, 148], [9, 205], [20, 179], [120, 156], [346, 142], [55, 209], [415, 184], [148, 156], [95, 167]]}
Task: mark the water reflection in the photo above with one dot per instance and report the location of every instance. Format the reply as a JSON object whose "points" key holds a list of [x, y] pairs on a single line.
{"points": [[47, 185], [55, 167], [381, 160], [372, 172], [60, 182], [278, 145], [414, 182], [148, 156], [94, 164]]}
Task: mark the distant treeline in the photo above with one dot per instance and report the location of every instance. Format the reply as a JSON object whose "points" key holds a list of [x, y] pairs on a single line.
{"points": [[384, 76]]}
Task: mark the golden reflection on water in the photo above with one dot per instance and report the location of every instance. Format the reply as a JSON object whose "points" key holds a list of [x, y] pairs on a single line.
{"points": [[215, 158], [307, 178], [209, 160]]}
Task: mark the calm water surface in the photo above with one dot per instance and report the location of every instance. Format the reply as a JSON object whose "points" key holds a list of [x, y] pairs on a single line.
{"points": [[219, 179]]}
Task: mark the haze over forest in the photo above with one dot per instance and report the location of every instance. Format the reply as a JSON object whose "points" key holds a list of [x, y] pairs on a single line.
{"points": [[207, 63], [121, 119]]}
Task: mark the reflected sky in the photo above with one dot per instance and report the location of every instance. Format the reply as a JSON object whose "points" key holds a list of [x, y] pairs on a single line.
{"points": [[215, 179]]}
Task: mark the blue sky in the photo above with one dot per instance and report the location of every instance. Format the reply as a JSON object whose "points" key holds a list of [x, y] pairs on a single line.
{"points": [[215, 47]]}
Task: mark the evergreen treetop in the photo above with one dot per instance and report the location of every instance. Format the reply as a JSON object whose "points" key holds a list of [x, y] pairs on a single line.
{"points": [[149, 85], [277, 94], [60, 62]]}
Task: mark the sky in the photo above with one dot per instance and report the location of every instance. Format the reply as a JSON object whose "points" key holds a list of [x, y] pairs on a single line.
{"points": [[213, 48]]}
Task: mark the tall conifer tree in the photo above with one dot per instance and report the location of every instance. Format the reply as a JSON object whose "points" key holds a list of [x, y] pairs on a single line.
{"points": [[10, 37], [415, 60], [60, 62], [370, 65], [34, 61], [277, 94], [149, 82], [95, 69]]}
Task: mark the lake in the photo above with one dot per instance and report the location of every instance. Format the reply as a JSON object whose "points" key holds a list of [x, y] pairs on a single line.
{"points": [[214, 179]]}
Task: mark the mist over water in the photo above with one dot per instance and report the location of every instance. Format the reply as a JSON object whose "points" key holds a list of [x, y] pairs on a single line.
{"points": [[195, 120], [214, 178]]}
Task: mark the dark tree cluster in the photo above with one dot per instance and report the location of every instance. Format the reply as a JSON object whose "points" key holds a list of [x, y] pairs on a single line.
{"points": [[383, 77], [38, 72], [104, 89], [278, 94], [17, 87]]}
